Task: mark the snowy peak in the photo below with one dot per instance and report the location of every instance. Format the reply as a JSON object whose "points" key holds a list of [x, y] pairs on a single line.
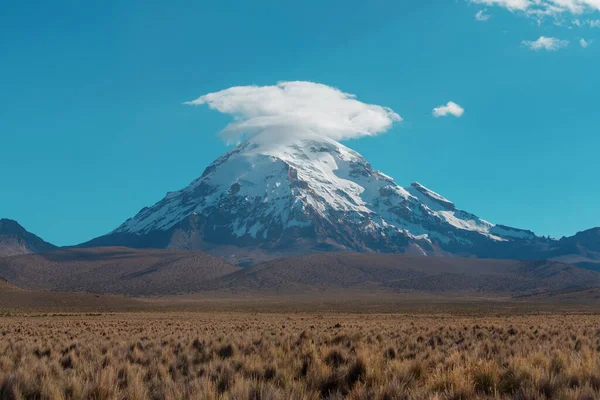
{"points": [[273, 193], [276, 178]]}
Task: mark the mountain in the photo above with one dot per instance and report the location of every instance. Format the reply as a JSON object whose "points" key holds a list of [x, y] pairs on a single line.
{"points": [[126, 271], [581, 249], [14, 240], [583, 244], [269, 198]]}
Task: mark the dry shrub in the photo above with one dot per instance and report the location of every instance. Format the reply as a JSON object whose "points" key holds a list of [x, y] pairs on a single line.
{"points": [[486, 378], [225, 351]]}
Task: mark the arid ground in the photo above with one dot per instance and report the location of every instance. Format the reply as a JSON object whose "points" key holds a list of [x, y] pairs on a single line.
{"points": [[299, 355]]}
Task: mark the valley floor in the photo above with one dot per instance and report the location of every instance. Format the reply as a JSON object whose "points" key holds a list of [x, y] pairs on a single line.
{"points": [[299, 355]]}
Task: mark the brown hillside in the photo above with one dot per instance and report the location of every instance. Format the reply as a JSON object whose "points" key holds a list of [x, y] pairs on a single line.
{"points": [[587, 296], [12, 298], [163, 272], [329, 271], [135, 272]]}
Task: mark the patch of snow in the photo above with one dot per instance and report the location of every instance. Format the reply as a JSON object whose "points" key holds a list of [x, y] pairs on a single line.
{"points": [[254, 229], [430, 193], [508, 232]]}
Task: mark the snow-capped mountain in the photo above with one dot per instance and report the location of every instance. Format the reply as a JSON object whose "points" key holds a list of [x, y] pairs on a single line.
{"points": [[269, 196]]}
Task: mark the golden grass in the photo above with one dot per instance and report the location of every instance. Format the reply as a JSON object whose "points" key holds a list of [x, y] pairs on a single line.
{"points": [[298, 356]]}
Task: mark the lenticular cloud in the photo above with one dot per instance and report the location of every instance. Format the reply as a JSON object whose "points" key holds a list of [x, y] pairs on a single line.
{"points": [[296, 108]]}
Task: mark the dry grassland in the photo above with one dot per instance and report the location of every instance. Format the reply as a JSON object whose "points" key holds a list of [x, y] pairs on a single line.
{"points": [[298, 356]]}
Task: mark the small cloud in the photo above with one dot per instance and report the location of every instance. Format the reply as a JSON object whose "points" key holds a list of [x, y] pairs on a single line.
{"points": [[595, 23], [584, 43], [512, 5], [546, 43], [451, 108], [482, 16]]}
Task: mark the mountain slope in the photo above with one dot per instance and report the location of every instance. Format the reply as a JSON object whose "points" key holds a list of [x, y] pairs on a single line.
{"points": [[167, 272], [269, 197], [12, 297], [343, 271], [114, 270], [14, 240]]}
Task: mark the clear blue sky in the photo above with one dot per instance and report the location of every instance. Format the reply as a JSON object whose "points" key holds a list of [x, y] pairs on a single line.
{"points": [[92, 126]]}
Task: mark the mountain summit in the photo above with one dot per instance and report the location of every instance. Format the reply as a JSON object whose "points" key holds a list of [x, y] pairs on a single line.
{"points": [[269, 197]]}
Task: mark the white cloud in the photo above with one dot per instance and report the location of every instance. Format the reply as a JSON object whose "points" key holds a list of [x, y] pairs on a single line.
{"points": [[584, 43], [546, 43], [595, 23], [542, 8], [451, 108], [296, 109], [481, 16], [513, 5]]}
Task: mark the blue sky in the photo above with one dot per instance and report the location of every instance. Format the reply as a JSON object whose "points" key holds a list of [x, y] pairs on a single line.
{"points": [[92, 125]]}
